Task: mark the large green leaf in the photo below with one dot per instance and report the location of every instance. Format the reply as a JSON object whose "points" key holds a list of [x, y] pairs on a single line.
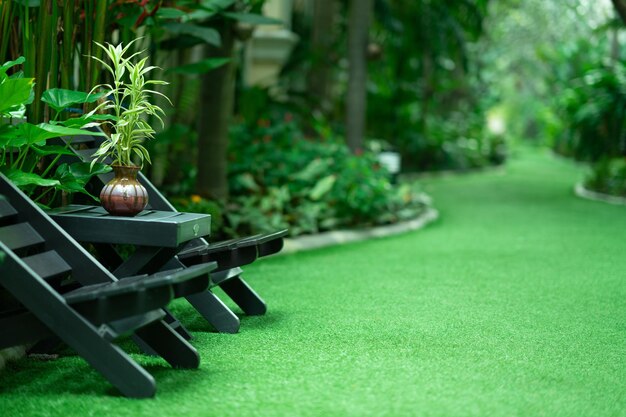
{"points": [[322, 187], [29, 134], [60, 99], [253, 19], [14, 91], [208, 35], [216, 4], [314, 169], [81, 122], [67, 181], [70, 182], [58, 131], [200, 67], [170, 13], [200, 15], [84, 171], [51, 150], [22, 179], [7, 133], [4, 67]]}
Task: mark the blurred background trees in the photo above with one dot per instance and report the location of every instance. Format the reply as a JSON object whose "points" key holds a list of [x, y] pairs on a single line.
{"points": [[285, 110]]}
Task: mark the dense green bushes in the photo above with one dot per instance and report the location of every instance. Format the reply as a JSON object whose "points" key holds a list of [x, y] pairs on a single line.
{"points": [[592, 108], [595, 109], [281, 178], [591, 112], [458, 141], [608, 177]]}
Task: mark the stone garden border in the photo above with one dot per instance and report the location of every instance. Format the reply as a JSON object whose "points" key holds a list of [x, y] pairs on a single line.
{"points": [[581, 191], [11, 354], [338, 237]]}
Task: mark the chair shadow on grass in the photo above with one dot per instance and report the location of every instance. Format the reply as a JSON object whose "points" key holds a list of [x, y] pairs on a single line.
{"points": [[65, 375], [195, 323], [69, 374]]}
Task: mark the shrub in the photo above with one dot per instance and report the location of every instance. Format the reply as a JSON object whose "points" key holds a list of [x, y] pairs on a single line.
{"points": [[281, 178], [458, 141], [608, 177], [593, 109]]}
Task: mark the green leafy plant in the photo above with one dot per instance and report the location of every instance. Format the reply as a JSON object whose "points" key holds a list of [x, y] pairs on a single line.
{"points": [[608, 176], [26, 157], [593, 109], [128, 99], [280, 178]]}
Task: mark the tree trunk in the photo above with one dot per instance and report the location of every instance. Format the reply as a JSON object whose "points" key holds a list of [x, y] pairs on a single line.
{"points": [[620, 8], [215, 109], [356, 100], [322, 36], [615, 47]]}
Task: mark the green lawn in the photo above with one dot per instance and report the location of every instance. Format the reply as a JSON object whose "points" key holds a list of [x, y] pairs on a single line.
{"points": [[513, 303]]}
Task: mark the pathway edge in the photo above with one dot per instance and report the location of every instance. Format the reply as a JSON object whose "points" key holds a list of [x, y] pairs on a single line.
{"points": [[581, 191], [339, 237]]}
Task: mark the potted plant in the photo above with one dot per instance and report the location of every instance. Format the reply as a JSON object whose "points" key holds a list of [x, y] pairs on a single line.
{"points": [[127, 98]]}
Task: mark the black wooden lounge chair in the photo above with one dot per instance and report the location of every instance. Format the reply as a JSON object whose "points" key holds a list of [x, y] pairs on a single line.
{"points": [[230, 255], [50, 286]]}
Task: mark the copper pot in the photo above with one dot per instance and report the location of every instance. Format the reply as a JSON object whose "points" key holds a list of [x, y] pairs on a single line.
{"points": [[124, 195]]}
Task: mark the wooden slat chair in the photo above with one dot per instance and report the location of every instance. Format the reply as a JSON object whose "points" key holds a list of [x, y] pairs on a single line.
{"points": [[50, 286], [230, 255]]}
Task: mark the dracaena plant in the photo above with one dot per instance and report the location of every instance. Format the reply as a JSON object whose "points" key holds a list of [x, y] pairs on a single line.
{"points": [[128, 99]]}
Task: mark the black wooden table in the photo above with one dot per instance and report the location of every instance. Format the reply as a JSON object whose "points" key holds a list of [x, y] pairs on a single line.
{"points": [[157, 237]]}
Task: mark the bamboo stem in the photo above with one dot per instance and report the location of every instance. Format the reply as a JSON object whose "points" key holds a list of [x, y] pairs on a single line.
{"points": [[97, 36], [6, 18], [67, 58], [44, 57]]}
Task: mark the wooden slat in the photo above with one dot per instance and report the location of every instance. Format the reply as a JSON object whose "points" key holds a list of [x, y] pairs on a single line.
{"points": [[20, 236], [150, 215], [48, 265], [7, 212], [72, 208]]}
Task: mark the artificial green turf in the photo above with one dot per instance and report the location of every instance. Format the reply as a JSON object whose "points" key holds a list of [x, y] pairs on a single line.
{"points": [[513, 303]]}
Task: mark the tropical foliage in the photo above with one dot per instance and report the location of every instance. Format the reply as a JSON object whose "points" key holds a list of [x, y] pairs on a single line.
{"points": [[27, 158], [445, 89], [609, 177], [283, 178]]}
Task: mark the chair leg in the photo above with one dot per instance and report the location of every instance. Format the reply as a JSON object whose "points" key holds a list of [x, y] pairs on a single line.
{"points": [[169, 344], [124, 373], [175, 324], [215, 312], [244, 296], [108, 359]]}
